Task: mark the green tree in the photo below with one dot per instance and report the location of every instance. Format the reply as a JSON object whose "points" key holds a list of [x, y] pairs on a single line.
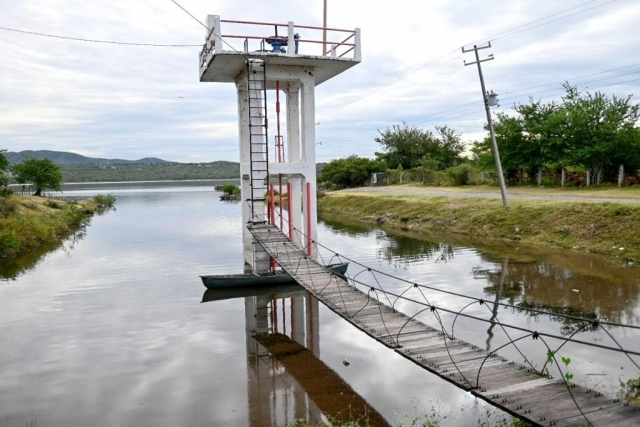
{"points": [[409, 146], [352, 171], [42, 173], [599, 131], [543, 142], [4, 166]]}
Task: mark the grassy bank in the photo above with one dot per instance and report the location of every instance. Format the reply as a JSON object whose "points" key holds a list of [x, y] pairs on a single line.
{"points": [[28, 223], [603, 228]]}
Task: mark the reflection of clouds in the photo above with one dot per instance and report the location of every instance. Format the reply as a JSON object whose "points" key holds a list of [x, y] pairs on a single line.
{"points": [[548, 276], [388, 381], [115, 331]]}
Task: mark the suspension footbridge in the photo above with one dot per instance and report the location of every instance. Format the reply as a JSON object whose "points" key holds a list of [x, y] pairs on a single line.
{"points": [[516, 388]]}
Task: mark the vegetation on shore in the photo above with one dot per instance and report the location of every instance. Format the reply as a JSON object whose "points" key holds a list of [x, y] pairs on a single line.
{"points": [[603, 228], [586, 139], [149, 171], [30, 222]]}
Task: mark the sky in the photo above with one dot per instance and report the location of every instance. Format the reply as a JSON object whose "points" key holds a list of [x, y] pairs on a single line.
{"points": [[119, 101]]}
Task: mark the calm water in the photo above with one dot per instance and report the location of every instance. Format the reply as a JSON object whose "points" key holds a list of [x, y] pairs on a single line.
{"points": [[111, 330]]}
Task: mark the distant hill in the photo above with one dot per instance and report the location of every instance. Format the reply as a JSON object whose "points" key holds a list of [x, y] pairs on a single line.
{"points": [[66, 158]]}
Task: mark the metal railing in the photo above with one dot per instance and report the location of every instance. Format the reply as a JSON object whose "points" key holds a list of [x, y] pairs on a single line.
{"points": [[254, 39]]}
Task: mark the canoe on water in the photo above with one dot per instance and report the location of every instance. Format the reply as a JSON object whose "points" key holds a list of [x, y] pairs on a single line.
{"points": [[277, 277]]}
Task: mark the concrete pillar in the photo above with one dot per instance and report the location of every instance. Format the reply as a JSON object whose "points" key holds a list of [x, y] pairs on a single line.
{"points": [[296, 207], [308, 134], [294, 155], [293, 123], [244, 141], [563, 177]]}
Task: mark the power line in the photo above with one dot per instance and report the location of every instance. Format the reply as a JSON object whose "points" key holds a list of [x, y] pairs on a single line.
{"points": [[189, 13], [396, 82], [583, 83], [79, 39], [437, 117], [554, 20], [573, 78], [533, 22], [208, 29]]}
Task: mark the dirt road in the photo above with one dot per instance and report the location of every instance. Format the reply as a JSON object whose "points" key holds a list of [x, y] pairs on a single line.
{"points": [[517, 193]]}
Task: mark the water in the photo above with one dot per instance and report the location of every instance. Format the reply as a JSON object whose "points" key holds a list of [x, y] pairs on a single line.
{"points": [[111, 330]]}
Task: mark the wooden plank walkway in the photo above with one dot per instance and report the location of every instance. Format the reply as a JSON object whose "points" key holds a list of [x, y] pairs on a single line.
{"points": [[502, 383]]}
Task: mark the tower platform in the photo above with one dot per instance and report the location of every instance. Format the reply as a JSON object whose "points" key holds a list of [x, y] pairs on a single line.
{"points": [[224, 56]]}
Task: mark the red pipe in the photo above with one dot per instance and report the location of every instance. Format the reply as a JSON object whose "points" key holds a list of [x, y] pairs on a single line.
{"points": [[309, 218], [289, 209], [281, 217], [279, 148], [272, 200]]}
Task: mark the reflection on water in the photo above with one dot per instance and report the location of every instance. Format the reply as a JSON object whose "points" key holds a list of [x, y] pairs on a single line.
{"points": [[113, 331], [11, 268], [286, 379]]}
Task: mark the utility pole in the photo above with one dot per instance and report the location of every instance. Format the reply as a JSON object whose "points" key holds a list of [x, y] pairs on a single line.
{"points": [[485, 96], [324, 30]]}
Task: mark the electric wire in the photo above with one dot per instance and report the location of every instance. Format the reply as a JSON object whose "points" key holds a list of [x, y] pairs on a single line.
{"points": [[505, 32], [209, 29], [439, 117], [554, 20], [570, 79], [491, 38], [55, 36]]}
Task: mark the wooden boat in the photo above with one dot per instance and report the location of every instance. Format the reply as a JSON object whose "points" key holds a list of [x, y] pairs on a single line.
{"points": [[286, 290], [259, 279]]}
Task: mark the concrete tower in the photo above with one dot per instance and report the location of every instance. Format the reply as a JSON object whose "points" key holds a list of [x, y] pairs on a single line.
{"points": [[258, 60]]}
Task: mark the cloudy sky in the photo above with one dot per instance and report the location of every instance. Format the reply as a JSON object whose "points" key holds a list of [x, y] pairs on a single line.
{"points": [[130, 102]]}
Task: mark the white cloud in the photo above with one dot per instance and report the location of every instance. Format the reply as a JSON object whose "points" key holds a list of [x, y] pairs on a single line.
{"points": [[129, 102]]}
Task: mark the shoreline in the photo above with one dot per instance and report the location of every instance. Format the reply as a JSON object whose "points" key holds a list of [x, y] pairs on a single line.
{"points": [[30, 223], [602, 228]]}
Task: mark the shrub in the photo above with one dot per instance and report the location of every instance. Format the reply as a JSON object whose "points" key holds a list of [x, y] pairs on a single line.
{"points": [[7, 207], [460, 175], [104, 200], [230, 189]]}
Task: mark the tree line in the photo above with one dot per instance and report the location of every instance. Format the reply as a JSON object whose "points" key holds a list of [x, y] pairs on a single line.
{"points": [[589, 133], [592, 137]]}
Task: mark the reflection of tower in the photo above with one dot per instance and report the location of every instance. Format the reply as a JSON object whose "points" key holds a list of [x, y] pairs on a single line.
{"points": [[274, 397]]}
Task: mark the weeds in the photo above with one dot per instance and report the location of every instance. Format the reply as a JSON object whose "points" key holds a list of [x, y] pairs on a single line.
{"points": [[31, 223], [7, 207], [52, 204], [104, 201]]}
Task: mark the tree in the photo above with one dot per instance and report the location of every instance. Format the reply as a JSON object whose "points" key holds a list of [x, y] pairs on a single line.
{"points": [[408, 146], [42, 173], [352, 171], [600, 131], [4, 166]]}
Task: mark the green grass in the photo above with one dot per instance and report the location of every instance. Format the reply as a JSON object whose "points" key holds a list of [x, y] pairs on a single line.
{"points": [[27, 222], [602, 228], [604, 191]]}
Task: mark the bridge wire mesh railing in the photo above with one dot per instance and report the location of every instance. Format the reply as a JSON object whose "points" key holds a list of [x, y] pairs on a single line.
{"points": [[346, 281]]}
